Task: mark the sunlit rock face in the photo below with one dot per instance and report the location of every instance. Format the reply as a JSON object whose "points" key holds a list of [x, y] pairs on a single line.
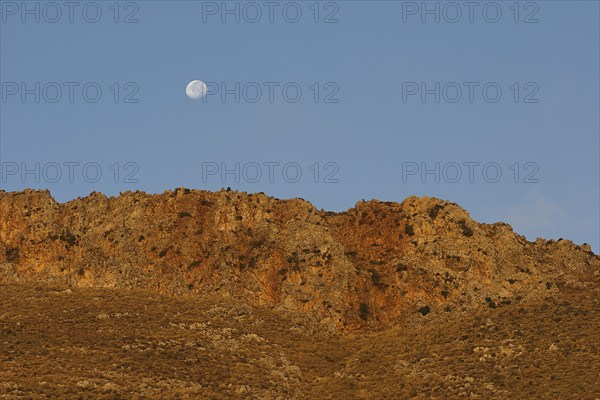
{"points": [[374, 266]]}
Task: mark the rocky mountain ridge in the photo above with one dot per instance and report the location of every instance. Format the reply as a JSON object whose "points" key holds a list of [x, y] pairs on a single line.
{"points": [[371, 267]]}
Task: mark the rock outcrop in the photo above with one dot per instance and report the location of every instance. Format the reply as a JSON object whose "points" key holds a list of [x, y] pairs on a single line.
{"points": [[376, 265]]}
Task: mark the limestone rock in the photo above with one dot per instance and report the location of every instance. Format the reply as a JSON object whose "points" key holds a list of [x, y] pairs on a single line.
{"points": [[372, 266]]}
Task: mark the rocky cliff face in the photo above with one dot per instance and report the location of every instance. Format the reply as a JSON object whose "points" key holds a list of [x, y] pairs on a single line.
{"points": [[373, 266]]}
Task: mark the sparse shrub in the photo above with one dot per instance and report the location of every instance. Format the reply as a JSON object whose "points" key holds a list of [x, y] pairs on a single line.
{"points": [[250, 264], [259, 240], [490, 302], [293, 258], [12, 254], [194, 264], [69, 238], [375, 276], [409, 230], [435, 210], [184, 214], [401, 268], [424, 310], [363, 311], [465, 229]]}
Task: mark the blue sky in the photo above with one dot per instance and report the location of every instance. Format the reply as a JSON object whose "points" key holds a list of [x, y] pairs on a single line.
{"points": [[361, 120]]}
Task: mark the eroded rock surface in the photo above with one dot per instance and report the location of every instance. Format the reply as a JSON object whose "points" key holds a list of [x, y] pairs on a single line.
{"points": [[371, 267]]}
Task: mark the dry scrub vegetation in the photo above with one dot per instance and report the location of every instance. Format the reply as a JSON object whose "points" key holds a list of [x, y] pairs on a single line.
{"points": [[110, 344]]}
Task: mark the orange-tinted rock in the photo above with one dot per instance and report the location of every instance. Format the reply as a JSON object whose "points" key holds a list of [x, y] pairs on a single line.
{"points": [[372, 266]]}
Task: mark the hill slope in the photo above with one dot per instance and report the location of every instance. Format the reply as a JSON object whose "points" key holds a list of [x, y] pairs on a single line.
{"points": [[374, 266], [108, 343]]}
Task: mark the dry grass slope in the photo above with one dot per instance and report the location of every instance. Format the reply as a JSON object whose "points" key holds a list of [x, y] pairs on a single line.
{"points": [[110, 344]]}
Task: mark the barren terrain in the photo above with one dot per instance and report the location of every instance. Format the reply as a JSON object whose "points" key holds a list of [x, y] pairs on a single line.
{"points": [[217, 295], [101, 343]]}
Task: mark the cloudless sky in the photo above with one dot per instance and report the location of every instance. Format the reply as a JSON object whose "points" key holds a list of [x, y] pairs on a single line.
{"points": [[365, 128]]}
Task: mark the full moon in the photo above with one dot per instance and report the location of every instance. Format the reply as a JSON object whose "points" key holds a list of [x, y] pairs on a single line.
{"points": [[196, 89]]}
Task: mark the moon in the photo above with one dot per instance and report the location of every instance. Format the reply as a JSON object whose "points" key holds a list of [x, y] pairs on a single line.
{"points": [[196, 89]]}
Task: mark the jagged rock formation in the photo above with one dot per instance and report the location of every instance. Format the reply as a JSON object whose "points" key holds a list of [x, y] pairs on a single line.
{"points": [[373, 266]]}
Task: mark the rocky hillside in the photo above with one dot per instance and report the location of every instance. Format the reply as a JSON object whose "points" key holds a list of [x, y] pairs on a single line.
{"points": [[370, 267]]}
